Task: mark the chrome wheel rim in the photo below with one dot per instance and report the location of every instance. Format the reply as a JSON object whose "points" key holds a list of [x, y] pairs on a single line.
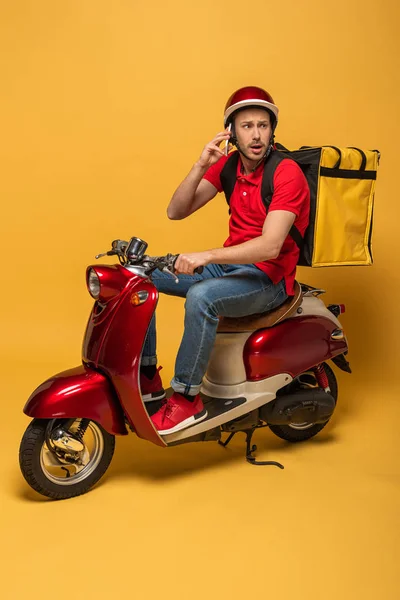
{"points": [[301, 426], [61, 472]]}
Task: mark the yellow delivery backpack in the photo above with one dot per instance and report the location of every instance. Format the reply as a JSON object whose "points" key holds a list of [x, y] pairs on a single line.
{"points": [[342, 186]]}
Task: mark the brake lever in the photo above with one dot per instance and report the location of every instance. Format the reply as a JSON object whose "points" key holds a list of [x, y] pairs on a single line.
{"points": [[166, 270], [109, 253]]}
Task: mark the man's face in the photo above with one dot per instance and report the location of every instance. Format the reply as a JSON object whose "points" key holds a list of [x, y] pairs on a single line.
{"points": [[253, 131]]}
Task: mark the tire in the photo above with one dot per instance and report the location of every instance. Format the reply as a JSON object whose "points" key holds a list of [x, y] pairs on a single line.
{"points": [[294, 434], [34, 456]]}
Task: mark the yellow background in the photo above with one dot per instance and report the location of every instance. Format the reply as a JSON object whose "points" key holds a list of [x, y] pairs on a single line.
{"points": [[104, 108]]}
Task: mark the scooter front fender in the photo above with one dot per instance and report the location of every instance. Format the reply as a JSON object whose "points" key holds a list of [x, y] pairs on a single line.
{"points": [[78, 393]]}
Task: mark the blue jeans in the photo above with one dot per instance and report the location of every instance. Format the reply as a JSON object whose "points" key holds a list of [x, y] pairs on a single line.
{"points": [[221, 290]]}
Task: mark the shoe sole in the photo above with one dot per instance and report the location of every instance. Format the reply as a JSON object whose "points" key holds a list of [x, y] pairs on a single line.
{"points": [[154, 396], [186, 423]]}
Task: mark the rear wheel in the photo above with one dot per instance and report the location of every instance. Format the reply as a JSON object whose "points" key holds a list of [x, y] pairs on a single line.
{"points": [[68, 471], [305, 431]]}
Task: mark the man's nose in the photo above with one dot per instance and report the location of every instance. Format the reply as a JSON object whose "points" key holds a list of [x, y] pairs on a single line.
{"points": [[256, 133]]}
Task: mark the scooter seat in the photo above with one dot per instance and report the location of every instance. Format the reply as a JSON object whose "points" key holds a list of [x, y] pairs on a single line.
{"points": [[263, 320]]}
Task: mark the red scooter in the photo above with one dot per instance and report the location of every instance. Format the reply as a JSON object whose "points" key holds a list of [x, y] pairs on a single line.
{"points": [[265, 370]]}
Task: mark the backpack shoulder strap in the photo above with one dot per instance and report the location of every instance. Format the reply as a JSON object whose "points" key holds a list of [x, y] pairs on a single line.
{"points": [[267, 184], [228, 175], [267, 189]]}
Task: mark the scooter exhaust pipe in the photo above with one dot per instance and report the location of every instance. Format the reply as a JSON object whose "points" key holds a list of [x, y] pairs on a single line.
{"points": [[304, 406]]}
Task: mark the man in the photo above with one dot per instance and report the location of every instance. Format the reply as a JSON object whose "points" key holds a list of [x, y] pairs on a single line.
{"points": [[253, 272]]}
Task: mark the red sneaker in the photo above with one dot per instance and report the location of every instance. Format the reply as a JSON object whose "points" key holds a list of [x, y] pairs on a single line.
{"points": [[152, 389], [178, 413]]}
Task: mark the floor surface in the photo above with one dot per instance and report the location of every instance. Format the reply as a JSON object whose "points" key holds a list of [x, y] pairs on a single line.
{"points": [[198, 521]]}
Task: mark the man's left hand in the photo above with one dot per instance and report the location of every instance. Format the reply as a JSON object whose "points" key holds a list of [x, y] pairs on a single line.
{"points": [[187, 263]]}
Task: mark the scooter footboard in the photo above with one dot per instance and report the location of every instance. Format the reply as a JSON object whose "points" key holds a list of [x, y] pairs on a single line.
{"points": [[78, 393]]}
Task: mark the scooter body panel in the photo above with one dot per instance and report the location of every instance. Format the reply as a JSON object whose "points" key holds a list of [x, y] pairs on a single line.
{"points": [[78, 393], [293, 347], [115, 281], [114, 346], [254, 394]]}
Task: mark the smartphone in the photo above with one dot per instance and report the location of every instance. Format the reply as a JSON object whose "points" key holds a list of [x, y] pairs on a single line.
{"points": [[227, 141]]}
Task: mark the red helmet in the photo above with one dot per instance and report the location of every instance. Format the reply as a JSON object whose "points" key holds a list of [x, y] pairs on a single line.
{"points": [[250, 96]]}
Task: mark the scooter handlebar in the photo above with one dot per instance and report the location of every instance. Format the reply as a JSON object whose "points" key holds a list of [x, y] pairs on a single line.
{"points": [[198, 270], [165, 263]]}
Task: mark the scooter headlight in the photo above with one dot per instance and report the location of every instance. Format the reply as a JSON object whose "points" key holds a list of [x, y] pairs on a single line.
{"points": [[93, 284]]}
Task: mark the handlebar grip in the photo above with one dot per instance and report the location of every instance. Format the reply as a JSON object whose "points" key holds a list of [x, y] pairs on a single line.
{"points": [[198, 270]]}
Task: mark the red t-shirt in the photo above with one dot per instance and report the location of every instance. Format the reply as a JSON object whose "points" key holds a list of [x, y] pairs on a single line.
{"points": [[248, 213]]}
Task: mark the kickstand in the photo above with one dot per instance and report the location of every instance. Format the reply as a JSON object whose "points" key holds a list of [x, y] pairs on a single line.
{"points": [[250, 449], [252, 459], [224, 444]]}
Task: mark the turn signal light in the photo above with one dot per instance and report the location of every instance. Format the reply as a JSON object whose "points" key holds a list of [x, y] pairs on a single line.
{"points": [[139, 297]]}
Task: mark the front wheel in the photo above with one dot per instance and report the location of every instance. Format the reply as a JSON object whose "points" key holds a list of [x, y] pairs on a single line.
{"points": [[305, 431], [64, 458]]}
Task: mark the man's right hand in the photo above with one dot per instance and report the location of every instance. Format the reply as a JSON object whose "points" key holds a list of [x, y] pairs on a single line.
{"points": [[194, 191], [212, 152]]}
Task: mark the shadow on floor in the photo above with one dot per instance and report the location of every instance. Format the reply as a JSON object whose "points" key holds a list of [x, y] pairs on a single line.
{"points": [[136, 458], [139, 458]]}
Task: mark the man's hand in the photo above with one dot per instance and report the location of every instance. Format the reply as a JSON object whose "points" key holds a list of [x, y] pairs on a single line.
{"points": [[212, 152], [187, 263]]}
